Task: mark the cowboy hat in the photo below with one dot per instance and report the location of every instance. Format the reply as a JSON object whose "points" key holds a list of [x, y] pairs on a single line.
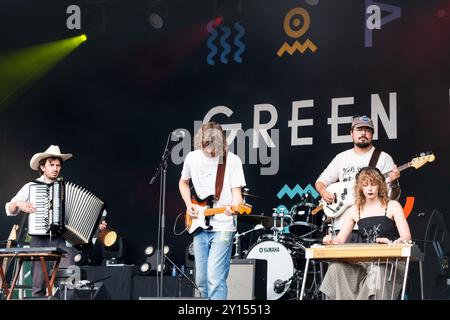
{"points": [[51, 152]]}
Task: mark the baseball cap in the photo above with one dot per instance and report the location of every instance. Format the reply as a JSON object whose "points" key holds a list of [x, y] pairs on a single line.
{"points": [[362, 121]]}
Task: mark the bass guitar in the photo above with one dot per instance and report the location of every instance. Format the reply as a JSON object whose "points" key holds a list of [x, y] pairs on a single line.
{"points": [[344, 196]]}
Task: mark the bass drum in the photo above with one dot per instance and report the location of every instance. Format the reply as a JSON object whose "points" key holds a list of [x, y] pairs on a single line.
{"points": [[282, 263]]}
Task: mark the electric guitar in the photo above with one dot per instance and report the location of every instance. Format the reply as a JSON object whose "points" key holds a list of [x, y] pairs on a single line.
{"points": [[344, 196], [11, 238], [204, 209]]}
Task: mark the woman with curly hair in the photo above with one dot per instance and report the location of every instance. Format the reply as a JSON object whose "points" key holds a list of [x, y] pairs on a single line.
{"points": [[379, 220]]}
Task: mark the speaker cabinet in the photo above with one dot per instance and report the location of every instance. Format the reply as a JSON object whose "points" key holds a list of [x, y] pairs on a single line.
{"points": [[247, 279], [430, 232]]}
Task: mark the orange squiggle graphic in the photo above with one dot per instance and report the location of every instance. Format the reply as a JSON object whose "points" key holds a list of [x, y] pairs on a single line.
{"points": [[297, 46], [409, 204]]}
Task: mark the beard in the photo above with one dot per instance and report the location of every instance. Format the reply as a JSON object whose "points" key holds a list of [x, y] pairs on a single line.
{"points": [[363, 144]]}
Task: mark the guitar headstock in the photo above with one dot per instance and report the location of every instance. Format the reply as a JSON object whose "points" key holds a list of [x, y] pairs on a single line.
{"points": [[423, 159], [244, 208], [13, 234]]}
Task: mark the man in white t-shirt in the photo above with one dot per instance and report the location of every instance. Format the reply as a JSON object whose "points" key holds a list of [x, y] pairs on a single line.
{"points": [[346, 165], [212, 245]]}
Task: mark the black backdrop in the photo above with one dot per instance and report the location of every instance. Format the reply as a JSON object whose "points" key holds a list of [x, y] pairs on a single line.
{"points": [[113, 101]]}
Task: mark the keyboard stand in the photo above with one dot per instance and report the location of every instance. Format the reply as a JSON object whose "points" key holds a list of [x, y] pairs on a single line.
{"points": [[43, 257]]}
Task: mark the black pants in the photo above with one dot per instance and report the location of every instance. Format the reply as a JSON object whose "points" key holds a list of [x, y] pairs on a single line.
{"points": [[39, 287]]}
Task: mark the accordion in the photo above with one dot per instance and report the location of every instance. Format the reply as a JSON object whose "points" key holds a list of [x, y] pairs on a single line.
{"points": [[65, 209]]}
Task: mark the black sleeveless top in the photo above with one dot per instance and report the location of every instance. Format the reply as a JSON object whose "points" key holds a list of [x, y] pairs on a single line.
{"points": [[370, 228]]}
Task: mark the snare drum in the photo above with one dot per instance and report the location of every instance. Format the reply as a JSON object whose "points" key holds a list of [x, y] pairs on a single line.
{"points": [[265, 237]]}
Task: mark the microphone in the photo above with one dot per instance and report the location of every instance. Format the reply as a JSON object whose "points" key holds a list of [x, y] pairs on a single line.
{"points": [[172, 139], [278, 286], [179, 133], [170, 143]]}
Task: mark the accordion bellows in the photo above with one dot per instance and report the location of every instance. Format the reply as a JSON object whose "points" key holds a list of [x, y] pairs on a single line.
{"points": [[64, 209]]}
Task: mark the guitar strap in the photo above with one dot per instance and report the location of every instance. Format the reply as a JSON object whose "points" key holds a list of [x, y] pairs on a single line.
{"points": [[220, 176], [374, 159], [394, 193]]}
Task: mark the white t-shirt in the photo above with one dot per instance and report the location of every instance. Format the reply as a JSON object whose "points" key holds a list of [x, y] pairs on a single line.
{"points": [[202, 170], [346, 165], [22, 195]]}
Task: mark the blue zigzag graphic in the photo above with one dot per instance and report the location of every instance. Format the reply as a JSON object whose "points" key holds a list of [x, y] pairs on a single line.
{"points": [[238, 43], [226, 47], [210, 43], [297, 191]]}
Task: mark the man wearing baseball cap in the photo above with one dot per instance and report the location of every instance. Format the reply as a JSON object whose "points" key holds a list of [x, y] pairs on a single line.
{"points": [[346, 165]]}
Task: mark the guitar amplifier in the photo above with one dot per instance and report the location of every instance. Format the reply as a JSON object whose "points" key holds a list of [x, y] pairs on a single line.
{"points": [[247, 279]]}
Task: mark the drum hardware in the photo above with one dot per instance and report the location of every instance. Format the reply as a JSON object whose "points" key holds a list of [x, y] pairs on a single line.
{"points": [[282, 214], [266, 221], [237, 240], [279, 285], [305, 237], [246, 194], [312, 292]]}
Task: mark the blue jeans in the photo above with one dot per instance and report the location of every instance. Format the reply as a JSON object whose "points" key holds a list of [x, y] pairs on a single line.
{"points": [[212, 251]]}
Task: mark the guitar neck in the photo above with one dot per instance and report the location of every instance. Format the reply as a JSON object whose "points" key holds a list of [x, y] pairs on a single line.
{"points": [[11, 238], [213, 211], [400, 168], [5, 261]]}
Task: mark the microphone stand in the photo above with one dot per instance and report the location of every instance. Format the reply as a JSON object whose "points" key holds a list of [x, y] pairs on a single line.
{"points": [[237, 241], [161, 170], [184, 275]]}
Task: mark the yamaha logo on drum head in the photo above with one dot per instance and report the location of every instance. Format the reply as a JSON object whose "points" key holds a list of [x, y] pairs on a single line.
{"points": [[272, 249]]}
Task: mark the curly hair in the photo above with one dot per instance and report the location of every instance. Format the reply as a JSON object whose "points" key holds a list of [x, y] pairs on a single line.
{"points": [[375, 177], [211, 134]]}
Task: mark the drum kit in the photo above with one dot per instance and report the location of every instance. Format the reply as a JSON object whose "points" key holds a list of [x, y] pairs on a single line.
{"points": [[291, 232]]}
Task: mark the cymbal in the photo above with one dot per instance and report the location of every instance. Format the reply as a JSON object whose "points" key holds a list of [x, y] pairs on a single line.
{"points": [[266, 221], [246, 194]]}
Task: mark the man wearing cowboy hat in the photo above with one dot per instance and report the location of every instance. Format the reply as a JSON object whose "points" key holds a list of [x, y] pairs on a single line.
{"points": [[49, 164]]}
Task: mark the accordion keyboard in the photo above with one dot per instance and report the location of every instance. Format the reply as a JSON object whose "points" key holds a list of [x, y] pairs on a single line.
{"points": [[38, 221]]}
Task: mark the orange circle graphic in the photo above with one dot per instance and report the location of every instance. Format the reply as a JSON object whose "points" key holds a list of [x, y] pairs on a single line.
{"points": [[306, 22]]}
